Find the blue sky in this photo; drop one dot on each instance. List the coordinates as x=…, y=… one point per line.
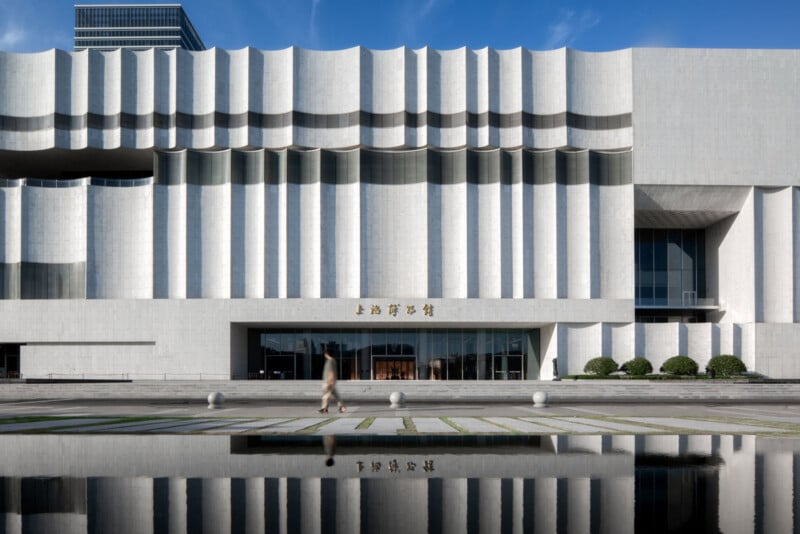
x=32, y=25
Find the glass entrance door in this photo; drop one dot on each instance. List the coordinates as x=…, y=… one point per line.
x=393, y=368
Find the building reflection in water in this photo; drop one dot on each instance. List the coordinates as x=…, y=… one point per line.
x=187, y=484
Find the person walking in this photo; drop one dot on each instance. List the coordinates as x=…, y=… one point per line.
x=329, y=384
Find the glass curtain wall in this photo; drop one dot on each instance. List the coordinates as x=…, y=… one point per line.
x=670, y=267
x=396, y=354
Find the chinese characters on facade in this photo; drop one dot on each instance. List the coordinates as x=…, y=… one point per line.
x=395, y=466
x=394, y=309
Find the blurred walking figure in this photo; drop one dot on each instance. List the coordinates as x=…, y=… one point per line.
x=329, y=444
x=329, y=384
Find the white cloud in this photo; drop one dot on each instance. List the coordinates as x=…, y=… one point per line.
x=11, y=38
x=312, y=22
x=427, y=7
x=569, y=26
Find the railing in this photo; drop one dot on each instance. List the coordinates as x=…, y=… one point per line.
x=133, y=376
x=687, y=301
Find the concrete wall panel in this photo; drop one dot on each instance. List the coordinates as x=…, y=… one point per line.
x=138, y=98
x=196, y=98
x=247, y=224
x=72, y=97
x=544, y=93
x=120, y=241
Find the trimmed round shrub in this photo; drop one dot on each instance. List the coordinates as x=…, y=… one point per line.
x=637, y=367
x=602, y=366
x=680, y=365
x=726, y=365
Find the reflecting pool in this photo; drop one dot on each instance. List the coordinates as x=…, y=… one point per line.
x=387, y=484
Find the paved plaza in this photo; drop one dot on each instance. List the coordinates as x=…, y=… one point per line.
x=301, y=418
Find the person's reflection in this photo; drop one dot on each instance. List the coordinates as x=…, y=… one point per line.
x=329, y=444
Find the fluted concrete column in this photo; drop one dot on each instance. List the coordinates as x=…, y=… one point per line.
x=478, y=87
x=483, y=173
x=505, y=98
x=54, y=225
x=573, y=171
x=254, y=505
x=247, y=224
x=617, y=505
x=454, y=505
x=283, y=505
x=348, y=505
x=303, y=218
x=578, y=503
x=445, y=168
x=612, y=172
x=105, y=97
x=395, y=506
x=208, y=224
x=340, y=224
x=215, y=503
x=416, y=94
x=540, y=177
x=169, y=225
x=491, y=504
x=275, y=224
x=545, y=510
x=10, y=238
x=120, y=239
x=311, y=505
x=518, y=506
x=513, y=225
x=544, y=92
x=177, y=506
x=123, y=505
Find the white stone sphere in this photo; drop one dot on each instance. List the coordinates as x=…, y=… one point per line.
x=540, y=399
x=397, y=399
x=216, y=399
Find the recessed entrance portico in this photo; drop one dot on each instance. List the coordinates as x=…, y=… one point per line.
x=395, y=354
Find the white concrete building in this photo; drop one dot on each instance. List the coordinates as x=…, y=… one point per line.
x=425, y=214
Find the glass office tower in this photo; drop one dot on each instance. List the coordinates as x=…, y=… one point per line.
x=105, y=27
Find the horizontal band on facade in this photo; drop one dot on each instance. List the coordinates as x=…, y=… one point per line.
x=32, y=280
x=55, y=183
x=567, y=167
x=116, y=182
x=300, y=119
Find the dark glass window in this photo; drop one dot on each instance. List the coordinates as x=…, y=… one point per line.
x=670, y=267
x=394, y=354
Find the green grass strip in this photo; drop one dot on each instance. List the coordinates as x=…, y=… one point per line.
x=366, y=423
x=452, y=424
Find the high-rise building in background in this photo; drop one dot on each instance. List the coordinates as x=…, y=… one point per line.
x=139, y=26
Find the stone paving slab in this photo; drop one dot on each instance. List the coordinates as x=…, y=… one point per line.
x=567, y=424
x=432, y=425
x=207, y=425
x=521, y=425
x=146, y=426
x=613, y=426
x=386, y=425
x=703, y=426
x=42, y=425
x=248, y=427
x=478, y=426
x=340, y=425
x=293, y=425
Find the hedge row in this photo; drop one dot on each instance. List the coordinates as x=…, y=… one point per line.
x=722, y=365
